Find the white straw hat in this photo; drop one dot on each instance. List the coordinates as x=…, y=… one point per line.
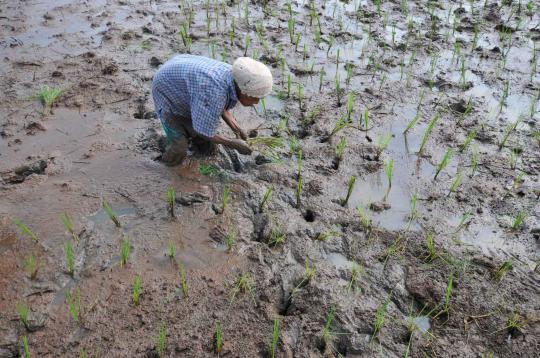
x=252, y=77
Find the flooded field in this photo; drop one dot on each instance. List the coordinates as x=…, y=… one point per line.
x=399, y=217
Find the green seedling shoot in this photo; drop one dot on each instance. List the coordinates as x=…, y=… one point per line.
x=125, y=251
x=341, y=124
x=225, y=199
x=218, y=338
x=509, y=129
x=350, y=188
x=470, y=137
x=137, y=289
x=172, y=251
x=266, y=197
x=444, y=162
x=161, y=346
x=456, y=182
x=365, y=219
x=68, y=224
x=340, y=149
x=74, y=304
x=503, y=270
x=519, y=220
x=31, y=265
x=356, y=271
x=243, y=284
x=275, y=338
x=428, y=132
x=26, y=347
x=328, y=331
x=389, y=174
x=112, y=215
x=171, y=199
x=23, y=311
x=230, y=240
x=25, y=229
x=70, y=258
x=183, y=279
x=328, y=234
x=431, y=251
x=380, y=316
x=48, y=96
x=299, y=188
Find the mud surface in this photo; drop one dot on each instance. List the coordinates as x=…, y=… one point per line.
x=302, y=259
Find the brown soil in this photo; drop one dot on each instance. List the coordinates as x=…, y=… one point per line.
x=101, y=142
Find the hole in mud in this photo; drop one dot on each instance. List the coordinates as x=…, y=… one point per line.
x=335, y=164
x=309, y=216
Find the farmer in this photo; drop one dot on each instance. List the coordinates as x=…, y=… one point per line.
x=191, y=93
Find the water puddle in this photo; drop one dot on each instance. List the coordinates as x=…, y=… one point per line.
x=422, y=323
x=339, y=261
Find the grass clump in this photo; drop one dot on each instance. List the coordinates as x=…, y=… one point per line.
x=111, y=214
x=137, y=289
x=48, y=96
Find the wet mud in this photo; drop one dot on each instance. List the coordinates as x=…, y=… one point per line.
x=412, y=266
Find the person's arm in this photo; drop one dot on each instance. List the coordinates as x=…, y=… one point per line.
x=241, y=146
x=233, y=124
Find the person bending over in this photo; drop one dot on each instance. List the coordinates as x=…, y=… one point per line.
x=191, y=93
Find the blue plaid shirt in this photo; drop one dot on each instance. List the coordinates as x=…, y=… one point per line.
x=194, y=87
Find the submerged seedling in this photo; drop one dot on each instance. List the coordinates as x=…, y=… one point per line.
x=171, y=198
x=350, y=188
x=111, y=214
x=68, y=224
x=137, y=289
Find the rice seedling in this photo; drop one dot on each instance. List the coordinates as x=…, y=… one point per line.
x=328, y=331
x=247, y=42
x=322, y=73
x=515, y=323
x=444, y=162
x=225, y=198
x=70, y=258
x=389, y=169
x=356, y=272
x=514, y=157
x=309, y=273
x=413, y=122
x=414, y=211
x=504, y=96
x=350, y=106
x=428, y=132
x=23, y=311
x=48, y=96
x=209, y=170
x=25, y=230
x=470, y=137
x=172, y=251
x=31, y=265
x=328, y=234
x=183, y=279
x=218, y=336
x=243, y=284
x=300, y=94
x=266, y=197
x=125, y=251
x=338, y=89
x=509, y=129
x=74, y=304
x=445, y=306
x=380, y=316
x=519, y=220
x=431, y=250
x=230, y=240
x=289, y=85
x=137, y=289
x=503, y=270
x=474, y=160
x=161, y=346
x=382, y=143
x=275, y=338
x=456, y=182
x=349, y=69
x=299, y=162
x=186, y=38
x=26, y=347
x=350, y=188
x=299, y=188
x=171, y=198
x=68, y=224
x=340, y=151
x=268, y=142
x=365, y=219
x=518, y=180
x=341, y=124
x=111, y=214
x=290, y=27
x=277, y=237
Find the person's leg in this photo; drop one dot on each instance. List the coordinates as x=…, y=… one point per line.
x=200, y=144
x=177, y=139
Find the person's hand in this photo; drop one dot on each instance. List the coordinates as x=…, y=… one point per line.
x=240, y=133
x=241, y=146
